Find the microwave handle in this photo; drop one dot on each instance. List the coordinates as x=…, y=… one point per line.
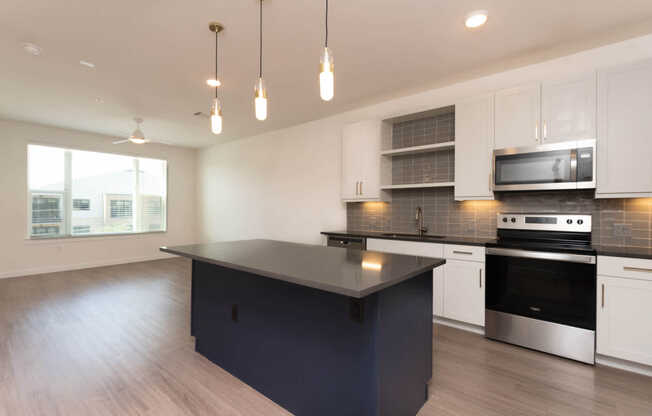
x=573, y=165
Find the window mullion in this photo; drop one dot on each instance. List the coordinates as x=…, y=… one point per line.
x=67, y=192
x=136, y=204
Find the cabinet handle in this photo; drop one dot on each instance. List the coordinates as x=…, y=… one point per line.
x=462, y=252
x=603, y=296
x=545, y=130
x=480, y=278
x=357, y=187
x=360, y=187
x=536, y=132
x=637, y=269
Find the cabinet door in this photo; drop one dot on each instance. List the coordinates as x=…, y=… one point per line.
x=370, y=160
x=568, y=109
x=624, y=135
x=351, y=170
x=361, y=144
x=438, y=291
x=474, y=142
x=517, y=116
x=464, y=291
x=623, y=319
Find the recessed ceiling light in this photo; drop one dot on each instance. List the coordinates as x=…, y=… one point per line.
x=87, y=64
x=213, y=82
x=32, y=49
x=476, y=18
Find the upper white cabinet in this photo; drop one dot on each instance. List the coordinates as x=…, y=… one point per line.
x=361, y=143
x=568, y=109
x=548, y=112
x=624, y=136
x=474, y=141
x=517, y=116
x=624, y=308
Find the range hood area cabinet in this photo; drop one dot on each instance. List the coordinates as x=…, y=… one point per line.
x=361, y=165
x=546, y=112
x=624, y=148
x=474, y=142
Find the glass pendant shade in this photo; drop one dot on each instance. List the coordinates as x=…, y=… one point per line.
x=326, y=76
x=260, y=100
x=216, y=117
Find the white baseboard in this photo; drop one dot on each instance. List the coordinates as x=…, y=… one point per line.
x=459, y=325
x=643, y=369
x=78, y=266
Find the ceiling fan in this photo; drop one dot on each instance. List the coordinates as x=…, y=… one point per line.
x=137, y=136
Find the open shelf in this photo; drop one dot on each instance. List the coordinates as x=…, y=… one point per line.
x=419, y=149
x=420, y=185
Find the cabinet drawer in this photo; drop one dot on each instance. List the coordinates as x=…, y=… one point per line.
x=411, y=248
x=625, y=267
x=469, y=253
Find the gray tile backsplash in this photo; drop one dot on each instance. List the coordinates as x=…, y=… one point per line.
x=619, y=222
x=424, y=167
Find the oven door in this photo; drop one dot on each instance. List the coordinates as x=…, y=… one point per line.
x=553, y=287
x=550, y=166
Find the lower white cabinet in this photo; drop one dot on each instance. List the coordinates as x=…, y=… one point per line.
x=458, y=286
x=624, y=309
x=463, y=292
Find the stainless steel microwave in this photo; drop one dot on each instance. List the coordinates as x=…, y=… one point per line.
x=566, y=165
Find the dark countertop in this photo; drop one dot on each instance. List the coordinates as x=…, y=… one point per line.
x=427, y=238
x=343, y=271
x=615, y=251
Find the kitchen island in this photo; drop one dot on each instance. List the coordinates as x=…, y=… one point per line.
x=318, y=330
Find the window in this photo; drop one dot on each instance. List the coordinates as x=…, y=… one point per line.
x=120, y=208
x=81, y=204
x=75, y=192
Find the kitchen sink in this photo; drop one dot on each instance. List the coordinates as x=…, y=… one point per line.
x=424, y=236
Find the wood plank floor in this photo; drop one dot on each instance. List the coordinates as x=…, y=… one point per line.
x=114, y=341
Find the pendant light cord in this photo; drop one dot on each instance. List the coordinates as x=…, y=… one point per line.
x=260, y=31
x=326, y=24
x=216, y=49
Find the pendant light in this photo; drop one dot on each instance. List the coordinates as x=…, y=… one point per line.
x=326, y=67
x=260, y=93
x=216, y=106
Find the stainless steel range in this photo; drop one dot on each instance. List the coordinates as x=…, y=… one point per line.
x=541, y=284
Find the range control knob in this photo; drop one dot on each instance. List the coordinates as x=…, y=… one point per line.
x=580, y=222
x=569, y=221
x=504, y=219
x=513, y=219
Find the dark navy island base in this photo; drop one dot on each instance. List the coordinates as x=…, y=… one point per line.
x=313, y=351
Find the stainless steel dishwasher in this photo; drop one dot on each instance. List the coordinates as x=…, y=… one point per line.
x=347, y=242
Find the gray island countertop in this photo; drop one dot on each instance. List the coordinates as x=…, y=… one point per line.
x=346, y=272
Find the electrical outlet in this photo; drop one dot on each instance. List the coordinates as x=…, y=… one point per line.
x=469, y=227
x=622, y=230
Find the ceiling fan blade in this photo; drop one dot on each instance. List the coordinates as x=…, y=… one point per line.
x=121, y=141
x=160, y=142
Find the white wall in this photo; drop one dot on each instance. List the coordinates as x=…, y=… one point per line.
x=282, y=185
x=21, y=256
x=285, y=184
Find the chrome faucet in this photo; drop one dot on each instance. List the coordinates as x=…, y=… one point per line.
x=419, y=222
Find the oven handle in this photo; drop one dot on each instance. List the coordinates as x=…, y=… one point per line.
x=541, y=255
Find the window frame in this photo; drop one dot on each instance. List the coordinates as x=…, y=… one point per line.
x=67, y=198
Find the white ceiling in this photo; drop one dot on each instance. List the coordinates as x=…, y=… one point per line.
x=153, y=57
